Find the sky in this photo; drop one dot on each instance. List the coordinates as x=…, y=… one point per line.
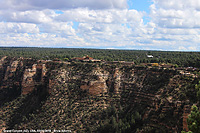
x=167, y=25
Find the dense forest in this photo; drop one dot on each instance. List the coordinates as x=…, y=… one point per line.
x=186, y=59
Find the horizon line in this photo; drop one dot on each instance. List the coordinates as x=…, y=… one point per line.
x=94, y=48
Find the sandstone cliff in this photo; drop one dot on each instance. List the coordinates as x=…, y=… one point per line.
x=75, y=95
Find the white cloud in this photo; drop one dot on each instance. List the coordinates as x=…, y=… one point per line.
x=18, y=28
x=96, y=27
x=61, y=4
x=59, y=28
x=106, y=33
x=178, y=4
x=176, y=14
x=173, y=25
x=40, y=40
x=101, y=16
x=34, y=16
x=177, y=24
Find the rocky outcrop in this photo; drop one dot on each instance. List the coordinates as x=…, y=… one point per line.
x=95, y=87
x=152, y=92
x=11, y=69
x=28, y=84
x=117, y=80
x=98, y=86
x=32, y=77
x=2, y=61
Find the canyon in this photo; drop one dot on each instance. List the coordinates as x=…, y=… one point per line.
x=83, y=96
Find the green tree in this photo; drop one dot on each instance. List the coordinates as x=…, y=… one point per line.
x=197, y=87
x=194, y=120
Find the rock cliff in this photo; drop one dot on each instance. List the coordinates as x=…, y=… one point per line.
x=71, y=94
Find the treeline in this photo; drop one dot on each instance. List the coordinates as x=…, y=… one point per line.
x=138, y=56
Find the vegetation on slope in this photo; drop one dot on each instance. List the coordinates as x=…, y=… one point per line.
x=147, y=99
x=138, y=99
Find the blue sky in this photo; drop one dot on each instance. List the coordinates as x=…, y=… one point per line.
x=122, y=24
x=139, y=5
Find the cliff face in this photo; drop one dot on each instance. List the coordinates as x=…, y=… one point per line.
x=95, y=86
x=75, y=95
x=33, y=76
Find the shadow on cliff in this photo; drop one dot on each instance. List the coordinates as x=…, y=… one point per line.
x=30, y=105
x=11, y=87
x=9, y=94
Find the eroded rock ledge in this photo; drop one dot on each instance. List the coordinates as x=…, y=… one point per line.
x=155, y=93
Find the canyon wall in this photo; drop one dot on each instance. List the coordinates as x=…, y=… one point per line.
x=151, y=91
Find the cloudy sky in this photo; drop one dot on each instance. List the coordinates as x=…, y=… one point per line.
x=119, y=24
